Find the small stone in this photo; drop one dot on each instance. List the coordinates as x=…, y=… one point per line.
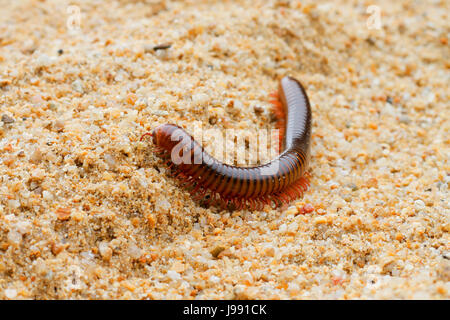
x=13, y=204
x=419, y=205
x=37, y=174
x=58, y=125
x=160, y=112
x=40, y=267
x=258, y=110
x=292, y=210
x=352, y=186
x=134, y=251
x=178, y=267
x=270, y=251
x=347, y=197
x=388, y=264
x=77, y=215
x=7, y=119
x=63, y=213
x=110, y=160
x=57, y=248
x=77, y=85
x=200, y=98
x=163, y=206
x=404, y=119
x=52, y=106
x=131, y=98
x=14, y=237
x=47, y=195
x=36, y=156
x=217, y=250
x=151, y=220
x=23, y=227
x=320, y=220
x=37, y=190
x=283, y=228
x=4, y=82
x=372, y=183
x=11, y=293
x=308, y=208
x=399, y=236
x=105, y=250
x=96, y=114
x=43, y=61
x=148, y=48
x=173, y=275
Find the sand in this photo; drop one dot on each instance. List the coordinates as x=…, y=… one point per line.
x=87, y=211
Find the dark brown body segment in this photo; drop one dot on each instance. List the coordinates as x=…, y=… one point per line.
x=279, y=181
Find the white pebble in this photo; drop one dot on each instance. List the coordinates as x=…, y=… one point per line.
x=43, y=60
x=105, y=250
x=200, y=98
x=110, y=160
x=40, y=267
x=162, y=206
x=173, y=275
x=419, y=204
x=404, y=119
x=14, y=237
x=13, y=204
x=11, y=293
x=77, y=85
x=160, y=112
x=23, y=227
x=283, y=228
x=238, y=104
x=47, y=195
x=96, y=113
x=134, y=251
x=132, y=115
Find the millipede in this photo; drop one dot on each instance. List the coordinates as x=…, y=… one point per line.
x=278, y=182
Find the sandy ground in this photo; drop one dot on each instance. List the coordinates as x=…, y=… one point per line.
x=89, y=212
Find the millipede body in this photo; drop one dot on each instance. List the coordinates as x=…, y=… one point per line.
x=282, y=180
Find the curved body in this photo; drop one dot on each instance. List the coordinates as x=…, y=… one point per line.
x=279, y=181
